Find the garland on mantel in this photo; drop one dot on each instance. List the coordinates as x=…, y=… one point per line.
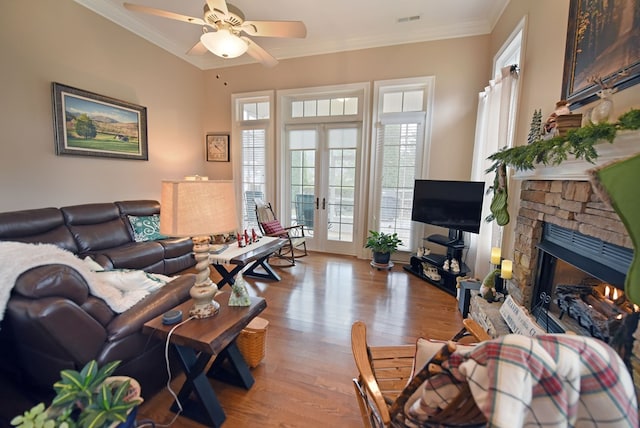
x=578, y=142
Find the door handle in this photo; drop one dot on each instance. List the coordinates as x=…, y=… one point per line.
x=324, y=205
x=317, y=203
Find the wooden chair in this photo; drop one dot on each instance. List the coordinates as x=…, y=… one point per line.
x=384, y=372
x=270, y=226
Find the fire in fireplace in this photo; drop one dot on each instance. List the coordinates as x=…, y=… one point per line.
x=579, y=286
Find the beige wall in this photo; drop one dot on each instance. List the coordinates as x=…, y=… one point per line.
x=42, y=41
x=541, y=72
x=460, y=67
x=64, y=42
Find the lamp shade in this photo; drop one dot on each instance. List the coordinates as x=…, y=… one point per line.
x=197, y=208
x=223, y=43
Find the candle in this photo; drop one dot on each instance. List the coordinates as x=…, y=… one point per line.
x=495, y=256
x=606, y=292
x=506, y=269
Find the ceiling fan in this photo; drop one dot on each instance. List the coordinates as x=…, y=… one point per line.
x=222, y=26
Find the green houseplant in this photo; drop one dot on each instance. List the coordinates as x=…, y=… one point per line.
x=382, y=245
x=91, y=398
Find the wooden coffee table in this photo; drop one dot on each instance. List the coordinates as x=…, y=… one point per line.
x=231, y=261
x=199, y=340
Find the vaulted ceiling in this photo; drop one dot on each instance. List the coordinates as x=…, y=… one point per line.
x=332, y=25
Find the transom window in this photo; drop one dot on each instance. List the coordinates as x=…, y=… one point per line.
x=255, y=110
x=324, y=107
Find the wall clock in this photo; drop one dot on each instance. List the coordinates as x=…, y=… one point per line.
x=217, y=147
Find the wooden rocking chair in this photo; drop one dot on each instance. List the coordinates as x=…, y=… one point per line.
x=296, y=245
x=385, y=371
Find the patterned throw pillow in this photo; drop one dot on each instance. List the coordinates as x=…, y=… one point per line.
x=426, y=349
x=435, y=393
x=146, y=228
x=273, y=227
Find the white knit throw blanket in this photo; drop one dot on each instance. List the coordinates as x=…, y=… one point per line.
x=17, y=257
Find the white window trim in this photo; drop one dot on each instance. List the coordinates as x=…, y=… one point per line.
x=515, y=41
x=426, y=83
x=238, y=124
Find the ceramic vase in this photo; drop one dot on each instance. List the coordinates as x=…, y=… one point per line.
x=602, y=111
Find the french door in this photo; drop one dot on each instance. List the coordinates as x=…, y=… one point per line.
x=321, y=176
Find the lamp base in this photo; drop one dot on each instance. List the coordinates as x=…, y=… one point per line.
x=204, y=289
x=204, y=306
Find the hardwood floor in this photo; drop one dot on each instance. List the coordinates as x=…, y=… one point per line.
x=305, y=378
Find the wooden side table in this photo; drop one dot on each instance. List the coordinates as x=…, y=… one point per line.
x=196, y=342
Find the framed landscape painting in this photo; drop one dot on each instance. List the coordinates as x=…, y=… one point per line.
x=603, y=42
x=88, y=124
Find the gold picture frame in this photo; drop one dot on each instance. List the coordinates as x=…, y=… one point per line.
x=217, y=147
x=601, y=42
x=90, y=124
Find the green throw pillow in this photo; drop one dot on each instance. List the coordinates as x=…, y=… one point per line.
x=145, y=228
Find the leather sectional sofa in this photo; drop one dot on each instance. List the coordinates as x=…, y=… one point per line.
x=51, y=321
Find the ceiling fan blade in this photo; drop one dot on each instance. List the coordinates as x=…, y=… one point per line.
x=275, y=28
x=256, y=52
x=218, y=5
x=198, y=49
x=164, y=14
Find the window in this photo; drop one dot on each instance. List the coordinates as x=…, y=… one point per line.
x=254, y=130
x=400, y=134
x=495, y=129
x=324, y=107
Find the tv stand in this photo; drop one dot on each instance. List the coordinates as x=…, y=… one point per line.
x=455, y=245
x=448, y=279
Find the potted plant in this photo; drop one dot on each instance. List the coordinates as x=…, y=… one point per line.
x=89, y=398
x=382, y=245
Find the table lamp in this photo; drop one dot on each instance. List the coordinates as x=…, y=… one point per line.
x=199, y=209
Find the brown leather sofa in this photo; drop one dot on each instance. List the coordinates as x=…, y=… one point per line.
x=51, y=321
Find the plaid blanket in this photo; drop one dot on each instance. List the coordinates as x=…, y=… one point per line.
x=548, y=381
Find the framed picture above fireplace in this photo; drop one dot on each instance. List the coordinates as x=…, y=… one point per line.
x=603, y=41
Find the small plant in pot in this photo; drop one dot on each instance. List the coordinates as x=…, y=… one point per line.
x=89, y=398
x=382, y=245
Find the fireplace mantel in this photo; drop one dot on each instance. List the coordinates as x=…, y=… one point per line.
x=626, y=143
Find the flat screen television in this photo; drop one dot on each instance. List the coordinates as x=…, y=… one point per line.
x=456, y=205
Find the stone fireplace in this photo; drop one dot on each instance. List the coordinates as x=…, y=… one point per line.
x=590, y=247
x=571, y=205
x=579, y=284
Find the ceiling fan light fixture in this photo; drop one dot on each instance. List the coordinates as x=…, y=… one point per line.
x=224, y=43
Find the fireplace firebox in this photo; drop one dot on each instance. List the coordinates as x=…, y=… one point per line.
x=579, y=285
